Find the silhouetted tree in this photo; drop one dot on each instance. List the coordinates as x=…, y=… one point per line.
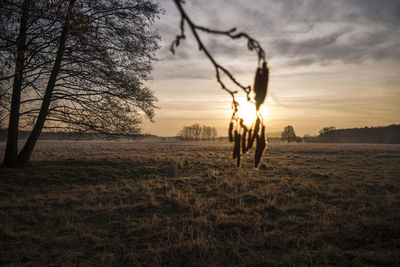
x=195, y=132
x=189, y=132
x=208, y=133
x=326, y=130
x=75, y=65
x=389, y=134
x=196, y=129
x=214, y=133
x=289, y=134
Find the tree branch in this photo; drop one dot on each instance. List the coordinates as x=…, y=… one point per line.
x=242, y=136
x=252, y=44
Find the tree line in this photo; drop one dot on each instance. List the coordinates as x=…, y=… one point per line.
x=197, y=132
x=388, y=135
x=385, y=135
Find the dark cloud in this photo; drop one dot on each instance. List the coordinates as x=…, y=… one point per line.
x=363, y=104
x=309, y=46
x=303, y=32
x=380, y=45
x=223, y=46
x=387, y=11
x=302, y=61
x=365, y=30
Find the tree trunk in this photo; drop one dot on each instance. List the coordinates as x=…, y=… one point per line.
x=10, y=157
x=27, y=150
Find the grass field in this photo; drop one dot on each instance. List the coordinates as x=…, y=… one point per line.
x=141, y=204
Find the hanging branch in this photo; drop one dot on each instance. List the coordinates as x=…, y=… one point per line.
x=252, y=44
x=260, y=85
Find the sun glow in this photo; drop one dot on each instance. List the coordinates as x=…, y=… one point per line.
x=247, y=111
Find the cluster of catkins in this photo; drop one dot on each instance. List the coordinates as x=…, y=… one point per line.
x=243, y=137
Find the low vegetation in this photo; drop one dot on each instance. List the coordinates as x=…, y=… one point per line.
x=140, y=204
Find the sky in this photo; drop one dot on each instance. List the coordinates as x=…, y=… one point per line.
x=332, y=63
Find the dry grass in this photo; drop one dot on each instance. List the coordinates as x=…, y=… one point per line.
x=140, y=204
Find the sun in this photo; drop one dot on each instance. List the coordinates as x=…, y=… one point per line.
x=247, y=111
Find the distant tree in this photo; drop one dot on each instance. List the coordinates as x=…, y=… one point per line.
x=76, y=65
x=326, y=130
x=186, y=133
x=206, y=132
x=183, y=133
x=389, y=134
x=209, y=133
x=195, y=132
x=289, y=134
x=214, y=133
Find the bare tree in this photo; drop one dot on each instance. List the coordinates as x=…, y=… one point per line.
x=184, y=133
x=192, y=132
x=214, y=133
x=76, y=65
x=197, y=132
x=208, y=133
x=289, y=134
x=196, y=129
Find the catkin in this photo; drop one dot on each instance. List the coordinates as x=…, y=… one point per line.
x=236, y=146
x=237, y=149
x=244, y=140
x=261, y=84
x=230, y=132
x=256, y=128
x=254, y=134
x=263, y=134
x=250, y=140
x=260, y=147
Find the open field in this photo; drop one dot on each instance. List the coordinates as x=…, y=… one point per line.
x=140, y=204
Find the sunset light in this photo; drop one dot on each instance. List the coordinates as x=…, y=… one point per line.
x=247, y=111
x=199, y=133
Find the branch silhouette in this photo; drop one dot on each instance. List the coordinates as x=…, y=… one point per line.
x=238, y=132
x=252, y=44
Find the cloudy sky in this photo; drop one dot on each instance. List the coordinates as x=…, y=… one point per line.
x=332, y=63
